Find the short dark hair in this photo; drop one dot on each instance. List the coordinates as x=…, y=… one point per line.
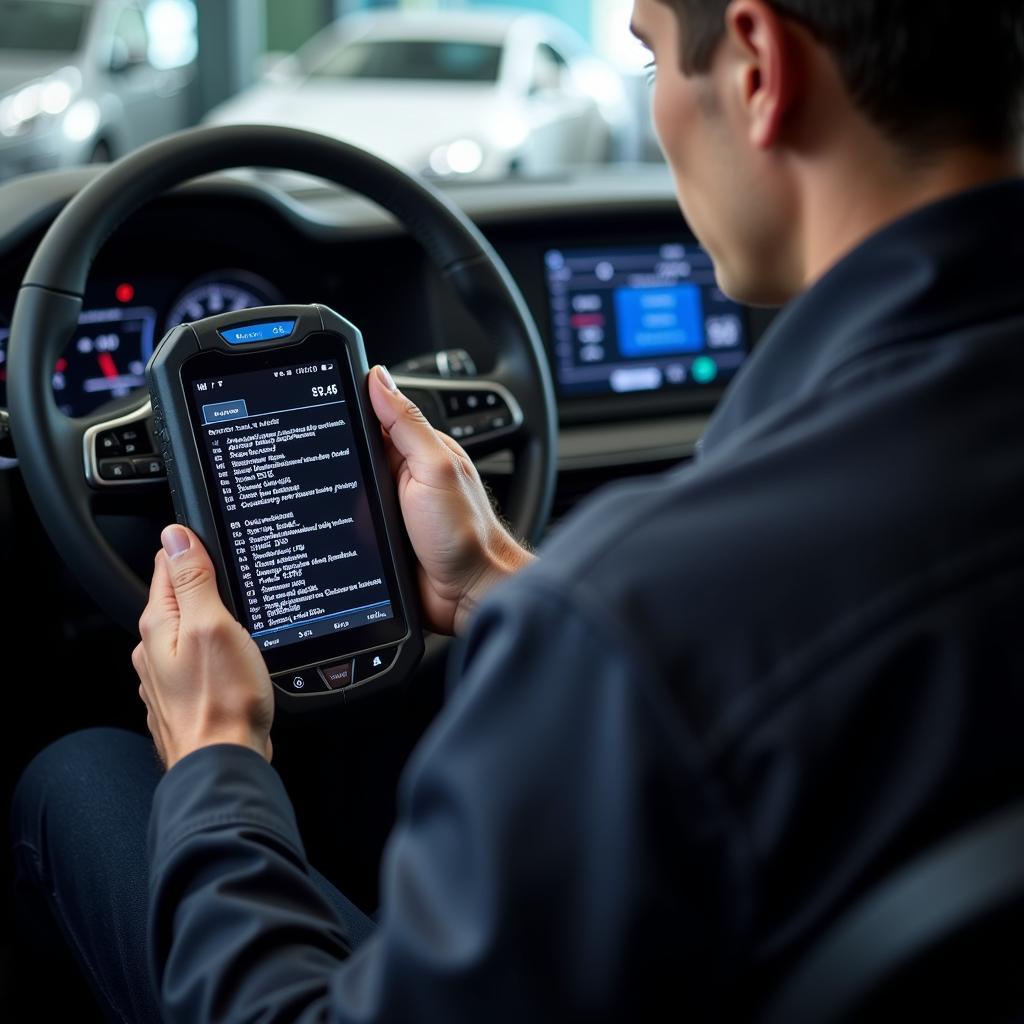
x=928, y=73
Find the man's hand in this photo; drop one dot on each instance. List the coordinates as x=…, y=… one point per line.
x=462, y=548
x=203, y=678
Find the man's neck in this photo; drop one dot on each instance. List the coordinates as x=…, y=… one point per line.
x=846, y=204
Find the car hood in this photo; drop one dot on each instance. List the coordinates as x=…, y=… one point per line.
x=17, y=68
x=401, y=121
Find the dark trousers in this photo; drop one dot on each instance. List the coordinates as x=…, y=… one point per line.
x=79, y=821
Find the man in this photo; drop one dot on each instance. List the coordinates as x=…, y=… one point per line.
x=722, y=702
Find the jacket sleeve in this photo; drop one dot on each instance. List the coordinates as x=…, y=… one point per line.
x=559, y=851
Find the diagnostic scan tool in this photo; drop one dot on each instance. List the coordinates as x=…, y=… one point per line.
x=276, y=460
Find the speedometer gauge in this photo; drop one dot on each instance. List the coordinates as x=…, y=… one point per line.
x=224, y=291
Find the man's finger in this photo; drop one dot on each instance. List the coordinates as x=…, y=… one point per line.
x=191, y=574
x=413, y=437
x=161, y=616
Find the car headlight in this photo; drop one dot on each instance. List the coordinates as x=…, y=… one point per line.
x=24, y=108
x=456, y=159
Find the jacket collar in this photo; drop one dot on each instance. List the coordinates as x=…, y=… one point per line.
x=949, y=264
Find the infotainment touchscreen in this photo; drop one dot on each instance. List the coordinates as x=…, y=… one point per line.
x=641, y=318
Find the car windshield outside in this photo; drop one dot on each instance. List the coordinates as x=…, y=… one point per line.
x=438, y=60
x=454, y=90
x=41, y=25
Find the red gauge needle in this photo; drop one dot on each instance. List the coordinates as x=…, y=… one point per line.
x=106, y=361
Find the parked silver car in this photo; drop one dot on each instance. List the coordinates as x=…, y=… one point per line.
x=452, y=93
x=84, y=80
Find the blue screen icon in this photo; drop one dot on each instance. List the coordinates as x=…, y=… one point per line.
x=659, y=321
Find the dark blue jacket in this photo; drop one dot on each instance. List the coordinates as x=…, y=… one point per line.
x=722, y=703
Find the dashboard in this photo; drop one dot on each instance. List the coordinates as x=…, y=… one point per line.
x=122, y=319
x=640, y=340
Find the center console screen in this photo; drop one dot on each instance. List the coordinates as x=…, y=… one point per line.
x=641, y=318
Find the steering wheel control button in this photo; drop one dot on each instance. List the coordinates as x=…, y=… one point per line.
x=132, y=439
x=338, y=676
x=116, y=469
x=149, y=465
x=108, y=443
x=374, y=662
x=487, y=421
x=455, y=403
x=476, y=413
x=305, y=681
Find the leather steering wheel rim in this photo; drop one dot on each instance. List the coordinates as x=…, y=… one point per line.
x=50, y=444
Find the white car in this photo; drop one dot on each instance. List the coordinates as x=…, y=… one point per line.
x=453, y=94
x=89, y=80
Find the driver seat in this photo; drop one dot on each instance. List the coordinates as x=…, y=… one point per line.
x=941, y=939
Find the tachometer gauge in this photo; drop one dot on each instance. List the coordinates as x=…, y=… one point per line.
x=221, y=292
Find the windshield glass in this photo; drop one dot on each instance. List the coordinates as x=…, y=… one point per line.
x=41, y=25
x=416, y=59
x=454, y=92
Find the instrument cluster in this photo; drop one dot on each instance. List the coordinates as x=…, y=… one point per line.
x=120, y=324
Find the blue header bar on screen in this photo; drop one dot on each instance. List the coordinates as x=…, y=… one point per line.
x=249, y=333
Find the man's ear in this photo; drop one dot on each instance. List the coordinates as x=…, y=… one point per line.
x=768, y=71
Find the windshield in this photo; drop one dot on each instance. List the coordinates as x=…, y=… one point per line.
x=454, y=94
x=45, y=25
x=416, y=59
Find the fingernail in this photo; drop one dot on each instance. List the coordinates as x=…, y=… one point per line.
x=385, y=378
x=175, y=541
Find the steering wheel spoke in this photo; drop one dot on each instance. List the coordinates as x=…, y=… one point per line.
x=120, y=452
x=482, y=414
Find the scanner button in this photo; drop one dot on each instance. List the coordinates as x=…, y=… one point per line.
x=303, y=681
x=374, y=662
x=338, y=676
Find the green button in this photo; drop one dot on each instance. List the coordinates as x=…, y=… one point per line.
x=704, y=369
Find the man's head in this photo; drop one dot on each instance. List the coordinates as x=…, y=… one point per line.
x=777, y=113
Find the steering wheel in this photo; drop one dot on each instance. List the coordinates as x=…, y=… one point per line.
x=58, y=455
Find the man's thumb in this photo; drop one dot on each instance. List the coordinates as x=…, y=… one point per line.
x=191, y=571
x=407, y=427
